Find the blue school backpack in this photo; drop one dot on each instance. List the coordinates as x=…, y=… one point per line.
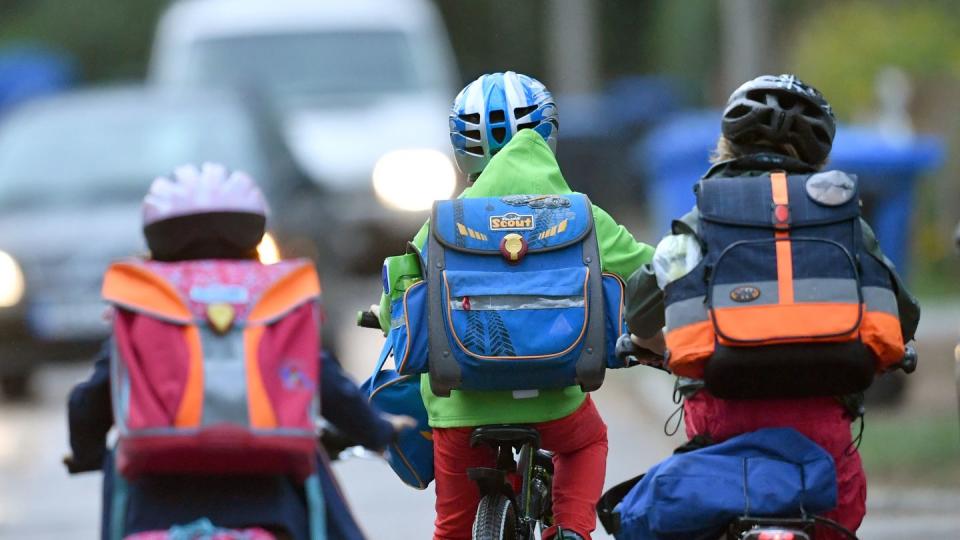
x=515, y=295
x=771, y=472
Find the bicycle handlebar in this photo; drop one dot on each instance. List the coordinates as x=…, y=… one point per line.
x=631, y=353
x=909, y=362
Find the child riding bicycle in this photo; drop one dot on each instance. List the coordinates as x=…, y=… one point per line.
x=789, y=298
x=215, y=219
x=504, y=131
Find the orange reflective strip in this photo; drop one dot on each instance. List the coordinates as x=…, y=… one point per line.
x=778, y=183
x=300, y=285
x=190, y=410
x=690, y=346
x=765, y=325
x=134, y=286
x=258, y=402
x=784, y=267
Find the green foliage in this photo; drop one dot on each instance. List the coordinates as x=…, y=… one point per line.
x=912, y=449
x=110, y=38
x=842, y=46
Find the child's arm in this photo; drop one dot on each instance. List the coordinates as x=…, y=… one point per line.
x=620, y=253
x=676, y=255
x=344, y=405
x=90, y=415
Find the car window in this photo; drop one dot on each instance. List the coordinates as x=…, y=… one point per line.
x=304, y=67
x=63, y=154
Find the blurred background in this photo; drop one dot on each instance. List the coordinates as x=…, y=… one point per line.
x=339, y=109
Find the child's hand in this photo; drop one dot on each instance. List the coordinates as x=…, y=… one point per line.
x=400, y=422
x=654, y=343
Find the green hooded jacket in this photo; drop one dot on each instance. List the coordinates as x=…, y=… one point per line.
x=527, y=166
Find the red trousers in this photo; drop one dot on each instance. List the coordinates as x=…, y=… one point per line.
x=822, y=420
x=580, y=463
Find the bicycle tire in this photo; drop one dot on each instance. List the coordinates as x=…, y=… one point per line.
x=496, y=519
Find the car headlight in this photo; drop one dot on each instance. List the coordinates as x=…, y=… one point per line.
x=412, y=179
x=11, y=281
x=267, y=250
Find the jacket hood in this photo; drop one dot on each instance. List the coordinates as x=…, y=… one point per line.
x=525, y=166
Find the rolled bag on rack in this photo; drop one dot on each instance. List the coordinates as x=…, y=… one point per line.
x=774, y=472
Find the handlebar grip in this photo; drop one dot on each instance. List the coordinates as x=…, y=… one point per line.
x=631, y=354
x=910, y=359
x=368, y=319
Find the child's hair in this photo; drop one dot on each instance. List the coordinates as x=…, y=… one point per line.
x=727, y=150
x=205, y=213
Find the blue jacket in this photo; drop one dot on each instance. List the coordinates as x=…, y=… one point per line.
x=158, y=502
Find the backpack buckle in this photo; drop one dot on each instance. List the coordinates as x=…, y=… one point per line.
x=781, y=216
x=513, y=247
x=221, y=317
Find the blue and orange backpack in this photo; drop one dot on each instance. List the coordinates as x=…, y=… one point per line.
x=787, y=301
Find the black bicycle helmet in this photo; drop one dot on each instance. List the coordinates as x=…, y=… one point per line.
x=781, y=110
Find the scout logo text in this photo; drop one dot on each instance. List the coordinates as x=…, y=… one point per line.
x=511, y=221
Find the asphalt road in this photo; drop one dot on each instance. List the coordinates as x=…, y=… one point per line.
x=38, y=501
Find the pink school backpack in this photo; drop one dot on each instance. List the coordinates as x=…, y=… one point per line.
x=215, y=366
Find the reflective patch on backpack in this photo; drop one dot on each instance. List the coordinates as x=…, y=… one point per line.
x=831, y=188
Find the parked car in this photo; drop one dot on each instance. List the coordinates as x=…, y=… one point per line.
x=73, y=170
x=362, y=89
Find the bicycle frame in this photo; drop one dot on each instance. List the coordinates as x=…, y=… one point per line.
x=533, y=468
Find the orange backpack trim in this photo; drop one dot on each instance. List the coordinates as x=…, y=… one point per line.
x=132, y=286
x=262, y=415
x=190, y=410
x=764, y=325
x=690, y=346
x=299, y=286
x=881, y=333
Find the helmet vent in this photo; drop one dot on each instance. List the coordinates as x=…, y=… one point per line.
x=473, y=134
x=473, y=118
x=821, y=135
x=765, y=116
x=526, y=125
x=757, y=95
x=738, y=111
x=474, y=150
x=520, y=112
x=499, y=134
x=497, y=116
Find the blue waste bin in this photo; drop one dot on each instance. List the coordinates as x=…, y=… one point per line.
x=676, y=155
x=28, y=71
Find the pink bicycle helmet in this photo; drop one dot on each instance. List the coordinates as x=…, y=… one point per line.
x=205, y=213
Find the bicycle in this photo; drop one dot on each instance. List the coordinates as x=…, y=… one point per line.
x=744, y=527
x=503, y=513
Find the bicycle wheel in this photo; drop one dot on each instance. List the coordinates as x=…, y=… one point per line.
x=496, y=519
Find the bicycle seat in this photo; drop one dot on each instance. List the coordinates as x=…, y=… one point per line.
x=495, y=436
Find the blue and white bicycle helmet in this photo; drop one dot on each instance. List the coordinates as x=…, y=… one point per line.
x=490, y=110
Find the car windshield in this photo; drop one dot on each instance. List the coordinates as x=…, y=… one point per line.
x=112, y=148
x=298, y=69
